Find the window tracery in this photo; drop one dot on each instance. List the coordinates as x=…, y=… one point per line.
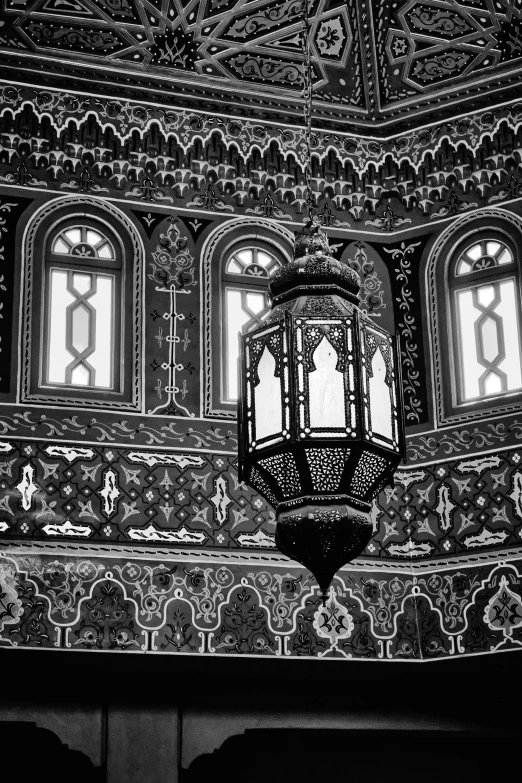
x=484, y=280
x=83, y=241
x=81, y=309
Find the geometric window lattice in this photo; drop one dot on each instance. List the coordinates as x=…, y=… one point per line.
x=258, y=482
x=369, y=468
x=245, y=304
x=251, y=261
x=80, y=316
x=489, y=336
x=326, y=467
x=84, y=242
x=283, y=468
x=483, y=255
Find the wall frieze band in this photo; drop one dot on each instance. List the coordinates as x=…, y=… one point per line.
x=158, y=606
x=125, y=117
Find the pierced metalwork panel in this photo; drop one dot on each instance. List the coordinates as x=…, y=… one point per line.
x=326, y=467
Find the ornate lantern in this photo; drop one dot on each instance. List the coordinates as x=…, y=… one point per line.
x=320, y=409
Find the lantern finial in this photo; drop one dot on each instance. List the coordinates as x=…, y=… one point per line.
x=323, y=538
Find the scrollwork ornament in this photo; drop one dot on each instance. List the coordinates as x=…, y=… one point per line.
x=408, y=327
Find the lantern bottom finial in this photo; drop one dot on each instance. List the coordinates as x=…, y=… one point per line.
x=323, y=538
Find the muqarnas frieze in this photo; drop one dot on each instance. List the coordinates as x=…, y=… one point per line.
x=139, y=604
x=109, y=494
x=178, y=158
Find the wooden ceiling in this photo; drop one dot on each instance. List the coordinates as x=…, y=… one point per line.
x=380, y=66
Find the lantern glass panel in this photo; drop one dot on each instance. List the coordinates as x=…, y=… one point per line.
x=326, y=389
x=267, y=382
x=267, y=395
x=379, y=382
x=325, y=377
x=380, y=398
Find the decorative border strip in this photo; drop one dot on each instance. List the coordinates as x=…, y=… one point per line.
x=22, y=422
x=219, y=436
x=157, y=606
x=253, y=558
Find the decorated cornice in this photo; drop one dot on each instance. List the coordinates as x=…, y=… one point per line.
x=126, y=117
x=180, y=158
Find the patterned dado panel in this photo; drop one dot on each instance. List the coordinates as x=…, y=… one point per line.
x=108, y=494
x=185, y=160
x=373, y=61
x=192, y=605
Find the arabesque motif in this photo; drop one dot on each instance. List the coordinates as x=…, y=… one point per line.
x=115, y=603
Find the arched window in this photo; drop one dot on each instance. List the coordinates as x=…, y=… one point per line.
x=475, y=294
x=245, y=283
x=486, y=303
x=82, y=304
x=237, y=261
x=81, y=307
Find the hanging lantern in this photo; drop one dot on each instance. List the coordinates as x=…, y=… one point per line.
x=320, y=409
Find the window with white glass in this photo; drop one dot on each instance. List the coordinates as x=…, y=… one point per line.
x=82, y=284
x=246, y=272
x=485, y=295
x=82, y=307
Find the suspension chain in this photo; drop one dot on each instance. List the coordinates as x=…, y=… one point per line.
x=307, y=112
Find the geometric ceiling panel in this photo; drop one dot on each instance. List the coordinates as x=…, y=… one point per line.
x=225, y=39
x=377, y=64
x=436, y=42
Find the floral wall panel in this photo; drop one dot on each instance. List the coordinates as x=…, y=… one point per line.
x=173, y=605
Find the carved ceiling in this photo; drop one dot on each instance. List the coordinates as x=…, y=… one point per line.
x=380, y=65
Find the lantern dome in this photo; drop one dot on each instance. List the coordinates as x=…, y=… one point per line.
x=320, y=410
x=313, y=270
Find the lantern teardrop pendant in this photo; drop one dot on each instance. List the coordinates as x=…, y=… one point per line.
x=320, y=409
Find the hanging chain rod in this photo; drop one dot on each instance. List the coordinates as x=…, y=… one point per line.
x=307, y=111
